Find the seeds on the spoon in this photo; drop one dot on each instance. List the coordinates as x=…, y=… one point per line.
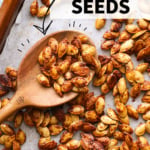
x=43, y=80
x=62, y=48
x=80, y=90
x=89, y=56
x=53, y=43
x=66, y=86
x=64, y=65
x=82, y=38
x=79, y=81
x=79, y=68
x=72, y=50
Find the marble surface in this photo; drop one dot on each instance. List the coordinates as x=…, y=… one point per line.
x=23, y=35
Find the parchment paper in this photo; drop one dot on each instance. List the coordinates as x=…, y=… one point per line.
x=23, y=35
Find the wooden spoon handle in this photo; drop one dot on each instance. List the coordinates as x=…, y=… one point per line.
x=16, y=103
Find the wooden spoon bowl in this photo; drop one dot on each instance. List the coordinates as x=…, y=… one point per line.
x=29, y=91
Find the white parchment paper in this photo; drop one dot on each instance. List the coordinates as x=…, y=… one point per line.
x=23, y=35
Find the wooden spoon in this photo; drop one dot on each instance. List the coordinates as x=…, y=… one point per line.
x=29, y=91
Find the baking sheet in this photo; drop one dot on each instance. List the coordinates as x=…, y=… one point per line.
x=23, y=35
